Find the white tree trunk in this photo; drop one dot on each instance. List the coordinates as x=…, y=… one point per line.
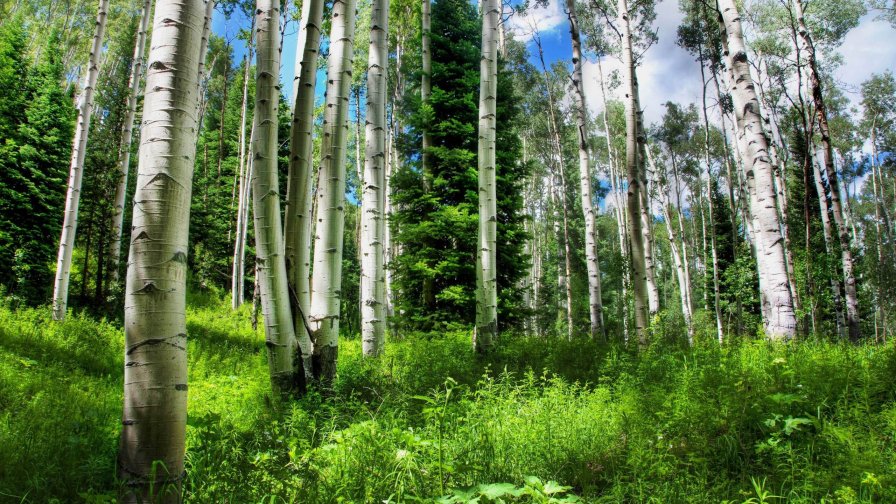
x=829, y=244
x=270, y=262
x=595, y=304
x=372, y=201
x=239, y=267
x=76, y=173
x=635, y=181
x=298, y=219
x=426, y=85
x=486, y=253
x=155, y=373
x=326, y=282
x=770, y=256
x=124, y=149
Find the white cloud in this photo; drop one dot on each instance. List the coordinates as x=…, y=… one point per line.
x=544, y=19
x=866, y=50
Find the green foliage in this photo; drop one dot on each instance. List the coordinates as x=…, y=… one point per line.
x=36, y=129
x=541, y=420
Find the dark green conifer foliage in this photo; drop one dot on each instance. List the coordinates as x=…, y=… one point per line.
x=36, y=128
x=436, y=230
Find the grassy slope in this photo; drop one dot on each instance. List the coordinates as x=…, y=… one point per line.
x=808, y=422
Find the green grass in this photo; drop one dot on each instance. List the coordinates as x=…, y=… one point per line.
x=751, y=422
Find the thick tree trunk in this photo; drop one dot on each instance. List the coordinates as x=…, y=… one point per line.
x=76, y=174
x=635, y=181
x=124, y=149
x=151, y=456
x=595, y=304
x=326, y=282
x=486, y=271
x=298, y=216
x=770, y=257
x=270, y=262
x=372, y=202
x=821, y=114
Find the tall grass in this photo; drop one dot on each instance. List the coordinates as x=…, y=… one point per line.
x=808, y=422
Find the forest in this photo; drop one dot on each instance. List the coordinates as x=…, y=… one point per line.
x=443, y=251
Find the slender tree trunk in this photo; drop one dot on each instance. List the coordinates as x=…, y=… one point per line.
x=653, y=296
x=426, y=86
x=124, y=150
x=151, y=456
x=829, y=244
x=79, y=150
x=635, y=185
x=773, y=278
x=327, y=273
x=269, y=259
x=239, y=267
x=595, y=303
x=821, y=114
x=486, y=271
x=373, y=205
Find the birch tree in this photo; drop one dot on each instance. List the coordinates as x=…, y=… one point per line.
x=774, y=284
x=151, y=456
x=326, y=281
x=486, y=252
x=239, y=247
x=373, y=203
x=124, y=150
x=76, y=168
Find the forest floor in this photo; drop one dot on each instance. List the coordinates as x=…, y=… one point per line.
x=540, y=420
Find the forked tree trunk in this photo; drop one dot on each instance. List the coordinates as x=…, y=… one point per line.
x=821, y=114
x=635, y=186
x=76, y=168
x=124, y=149
x=770, y=257
x=239, y=267
x=486, y=250
x=323, y=317
x=270, y=263
x=595, y=304
x=372, y=201
x=151, y=456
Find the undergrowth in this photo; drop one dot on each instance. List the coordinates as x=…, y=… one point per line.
x=540, y=420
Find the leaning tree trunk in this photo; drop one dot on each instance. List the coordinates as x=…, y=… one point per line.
x=298, y=219
x=151, y=456
x=79, y=150
x=635, y=186
x=271, y=264
x=327, y=276
x=770, y=256
x=124, y=149
x=372, y=202
x=821, y=114
x=486, y=251
x=594, y=295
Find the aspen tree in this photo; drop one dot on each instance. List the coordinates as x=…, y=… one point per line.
x=774, y=283
x=239, y=248
x=298, y=219
x=372, y=202
x=124, y=149
x=486, y=251
x=151, y=456
x=76, y=168
x=323, y=317
x=594, y=292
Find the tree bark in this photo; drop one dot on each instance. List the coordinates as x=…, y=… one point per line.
x=124, y=149
x=770, y=257
x=595, y=304
x=372, y=202
x=239, y=267
x=821, y=115
x=76, y=173
x=155, y=372
x=635, y=185
x=326, y=281
x=486, y=256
